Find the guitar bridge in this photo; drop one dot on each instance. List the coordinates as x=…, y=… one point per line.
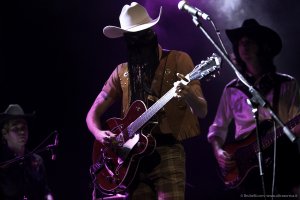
x=96, y=167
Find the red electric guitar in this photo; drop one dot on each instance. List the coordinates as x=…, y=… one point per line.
x=115, y=166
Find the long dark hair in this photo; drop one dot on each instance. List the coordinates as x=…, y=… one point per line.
x=264, y=54
x=143, y=60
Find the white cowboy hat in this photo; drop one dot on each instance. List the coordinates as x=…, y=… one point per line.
x=133, y=18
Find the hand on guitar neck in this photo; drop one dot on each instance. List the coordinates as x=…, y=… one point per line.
x=190, y=95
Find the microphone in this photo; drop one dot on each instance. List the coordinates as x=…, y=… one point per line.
x=182, y=5
x=53, y=147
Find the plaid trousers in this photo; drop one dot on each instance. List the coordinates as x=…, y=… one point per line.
x=161, y=175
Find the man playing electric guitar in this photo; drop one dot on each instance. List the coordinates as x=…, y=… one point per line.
x=255, y=47
x=149, y=73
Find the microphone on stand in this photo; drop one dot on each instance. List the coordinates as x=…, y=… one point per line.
x=182, y=5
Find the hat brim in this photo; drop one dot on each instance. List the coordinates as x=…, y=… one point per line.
x=261, y=32
x=116, y=32
x=5, y=117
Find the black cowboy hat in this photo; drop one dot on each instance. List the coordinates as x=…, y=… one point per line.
x=14, y=111
x=252, y=28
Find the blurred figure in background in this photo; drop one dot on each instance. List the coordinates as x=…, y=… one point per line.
x=25, y=178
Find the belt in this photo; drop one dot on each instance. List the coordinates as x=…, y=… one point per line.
x=165, y=139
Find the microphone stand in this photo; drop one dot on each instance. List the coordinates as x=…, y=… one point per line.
x=254, y=110
x=256, y=100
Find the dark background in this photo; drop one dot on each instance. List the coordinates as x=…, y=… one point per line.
x=54, y=60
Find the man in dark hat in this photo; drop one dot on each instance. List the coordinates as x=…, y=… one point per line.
x=19, y=178
x=255, y=47
x=149, y=73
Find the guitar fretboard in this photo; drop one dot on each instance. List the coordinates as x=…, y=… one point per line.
x=268, y=139
x=200, y=71
x=146, y=116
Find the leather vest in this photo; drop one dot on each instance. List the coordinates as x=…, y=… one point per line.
x=183, y=123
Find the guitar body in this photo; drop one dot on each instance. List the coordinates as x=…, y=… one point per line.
x=245, y=162
x=112, y=172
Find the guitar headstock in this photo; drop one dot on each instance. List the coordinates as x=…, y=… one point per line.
x=208, y=67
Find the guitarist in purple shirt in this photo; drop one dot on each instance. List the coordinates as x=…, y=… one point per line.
x=255, y=47
x=149, y=73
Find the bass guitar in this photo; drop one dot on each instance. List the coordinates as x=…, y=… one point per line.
x=245, y=153
x=115, y=165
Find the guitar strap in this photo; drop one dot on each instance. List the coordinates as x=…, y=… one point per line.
x=161, y=69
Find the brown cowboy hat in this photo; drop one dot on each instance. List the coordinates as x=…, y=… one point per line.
x=133, y=18
x=251, y=27
x=14, y=111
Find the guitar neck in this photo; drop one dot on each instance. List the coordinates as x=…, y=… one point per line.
x=200, y=71
x=146, y=116
x=268, y=139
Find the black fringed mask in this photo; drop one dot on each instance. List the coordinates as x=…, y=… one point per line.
x=143, y=60
x=141, y=39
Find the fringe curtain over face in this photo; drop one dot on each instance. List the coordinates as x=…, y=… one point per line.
x=142, y=62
